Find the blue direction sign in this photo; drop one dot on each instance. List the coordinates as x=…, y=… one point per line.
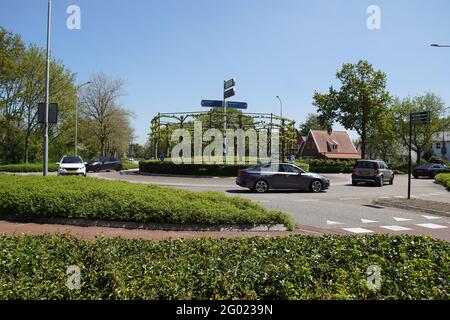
x=219, y=104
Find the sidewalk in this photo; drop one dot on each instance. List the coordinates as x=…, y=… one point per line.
x=428, y=206
x=90, y=233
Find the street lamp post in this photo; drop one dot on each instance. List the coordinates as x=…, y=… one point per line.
x=76, y=117
x=47, y=91
x=443, y=147
x=282, y=128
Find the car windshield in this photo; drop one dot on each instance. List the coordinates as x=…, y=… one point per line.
x=365, y=165
x=71, y=160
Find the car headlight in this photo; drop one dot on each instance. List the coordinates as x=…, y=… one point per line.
x=62, y=169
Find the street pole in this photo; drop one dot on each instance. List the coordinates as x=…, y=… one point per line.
x=224, y=123
x=47, y=91
x=409, y=157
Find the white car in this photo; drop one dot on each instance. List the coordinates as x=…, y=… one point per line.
x=71, y=166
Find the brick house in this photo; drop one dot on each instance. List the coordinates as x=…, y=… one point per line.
x=321, y=144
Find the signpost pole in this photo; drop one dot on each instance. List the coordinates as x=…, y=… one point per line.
x=47, y=80
x=225, y=120
x=409, y=157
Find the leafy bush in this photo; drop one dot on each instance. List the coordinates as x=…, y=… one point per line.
x=30, y=167
x=300, y=267
x=129, y=165
x=444, y=179
x=90, y=198
x=329, y=166
x=168, y=167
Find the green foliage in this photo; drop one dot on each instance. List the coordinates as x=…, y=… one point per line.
x=27, y=167
x=312, y=122
x=444, y=179
x=300, y=267
x=329, y=166
x=360, y=102
x=168, y=167
x=129, y=165
x=90, y=198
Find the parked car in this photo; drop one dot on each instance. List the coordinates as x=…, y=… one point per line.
x=429, y=170
x=104, y=163
x=264, y=177
x=73, y=165
x=372, y=171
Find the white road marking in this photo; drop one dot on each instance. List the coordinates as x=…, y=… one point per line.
x=431, y=226
x=263, y=201
x=431, y=217
x=399, y=197
x=395, y=228
x=357, y=230
x=347, y=199
x=384, y=197
x=368, y=221
x=329, y=222
x=307, y=200
x=401, y=219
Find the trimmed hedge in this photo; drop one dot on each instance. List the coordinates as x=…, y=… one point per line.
x=329, y=166
x=444, y=179
x=300, y=267
x=129, y=165
x=90, y=198
x=30, y=167
x=168, y=167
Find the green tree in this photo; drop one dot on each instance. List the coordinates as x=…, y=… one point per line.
x=422, y=135
x=313, y=121
x=359, y=102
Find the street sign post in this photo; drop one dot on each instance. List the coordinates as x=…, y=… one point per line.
x=228, y=92
x=418, y=118
x=52, y=113
x=219, y=104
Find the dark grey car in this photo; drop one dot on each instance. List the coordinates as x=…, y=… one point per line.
x=263, y=177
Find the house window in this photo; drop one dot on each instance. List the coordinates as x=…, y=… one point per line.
x=334, y=147
x=438, y=145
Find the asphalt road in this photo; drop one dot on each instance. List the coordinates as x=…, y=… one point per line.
x=344, y=208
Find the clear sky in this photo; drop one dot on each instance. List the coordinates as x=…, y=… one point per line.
x=174, y=53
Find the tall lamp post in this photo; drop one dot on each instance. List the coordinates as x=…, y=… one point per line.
x=47, y=92
x=443, y=147
x=282, y=128
x=76, y=117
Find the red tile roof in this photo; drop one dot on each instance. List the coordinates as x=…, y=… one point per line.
x=325, y=140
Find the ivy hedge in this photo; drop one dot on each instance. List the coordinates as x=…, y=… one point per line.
x=444, y=179
x=91, y=198
x=27, y=167
x=298, y=267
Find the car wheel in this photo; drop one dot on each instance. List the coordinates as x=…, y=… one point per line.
x=355, y=183
x=380, y=182
x=261, y=186
x=391, y=182
x=316, y=186
x=416, y=177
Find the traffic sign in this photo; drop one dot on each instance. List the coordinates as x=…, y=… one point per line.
x=52, y=113
x=219, y=104
x=229, y=93
x=421, y=118
x=229, y=84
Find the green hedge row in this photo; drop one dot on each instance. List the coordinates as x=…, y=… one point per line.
x=90, y=198
x=168, y=167
x=300, y=267
x=129, y=165
x=444, y=179
x=30, y=167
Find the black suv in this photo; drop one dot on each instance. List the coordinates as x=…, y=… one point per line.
x=104, y=163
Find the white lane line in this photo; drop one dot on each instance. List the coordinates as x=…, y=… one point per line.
x=347, y=199
x=384, y=197
x=329, y=222
x=399, y=197
x=357, y=230
x=307, y=200
x=396, y=228
x=368, y=221
x=401, y=219
x=431, y=226
x=263, y=201
x=431, y=217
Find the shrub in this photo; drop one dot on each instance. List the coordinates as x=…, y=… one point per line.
x=168, y=167
x=444, y=179
x=129, y=165
x=90, y=198
x=30, y=167
x=329, y=166
x=300, y=267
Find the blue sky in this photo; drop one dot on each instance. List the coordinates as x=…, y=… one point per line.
x=174, y=53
